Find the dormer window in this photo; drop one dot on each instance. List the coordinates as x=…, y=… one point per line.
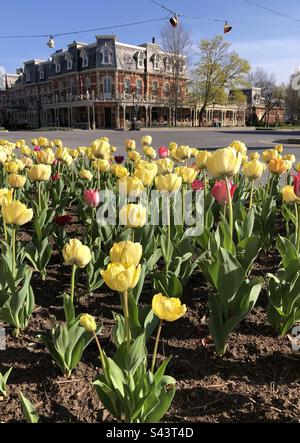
x=42, y=73
x=57, y=65
x=85, y=58
x=27, y=76
x=106, y=56
x=69, y=62
x=156, y=62
x=167, y=64
x=140, y=60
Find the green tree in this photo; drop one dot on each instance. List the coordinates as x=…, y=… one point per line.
x=217, y=69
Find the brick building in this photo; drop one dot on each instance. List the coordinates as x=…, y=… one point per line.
x=106, y=84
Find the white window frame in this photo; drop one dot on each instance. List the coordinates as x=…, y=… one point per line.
x=140, y=60
x=106, y=56
x=85, y=58
x=27, y=76
x=57, y=65
x=139, y=91
x=69, y=62
x=167, y=89
x=127, y=81
x=156, y=62
x=154, y=89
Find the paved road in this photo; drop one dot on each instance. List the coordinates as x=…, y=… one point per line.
x=207, y=138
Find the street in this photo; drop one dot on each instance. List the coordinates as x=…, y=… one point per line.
x=206, y=138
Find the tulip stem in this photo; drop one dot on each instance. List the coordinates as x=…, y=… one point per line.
x=230, y=210
x=98, y=179
x=39, y=196
x=251, y=194
x=13, y=248
x=73, y=283
x=126, y=317
x=298, y=228
x=101, y=353
x=156, y=346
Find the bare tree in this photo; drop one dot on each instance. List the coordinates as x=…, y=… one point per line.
x=292, y=98
x=260, y=78
x=176, y=42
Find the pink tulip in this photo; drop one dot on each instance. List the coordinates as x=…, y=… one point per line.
x=36, y=148
x=297, y=184
x=91, y=197
x=197, y=185
x=219, y=191
x=163, y=152
x=55, y=177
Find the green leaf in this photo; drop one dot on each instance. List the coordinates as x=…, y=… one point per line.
x=28, y=409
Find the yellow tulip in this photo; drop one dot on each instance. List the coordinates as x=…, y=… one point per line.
x=126, y=252
x=3, y=157
x=149, y=152
x=42, y=141
x=84, y=174
x=120, y=278
x=39, y=172
x=169, y=309
x=25, y=150
x=134, y=156
x=16, y=213
x=131, y=186
x=146, y=140
x=253, y=170
x=16, y=180
x=290, y=157
x=133, y=215
x=120, y=171
x=201, y=159
x=12, y=167
x=254, y=156
x=289, y=195
x=172, y=145
x=75, y=253
x=224, y=162
x=269, y=155
x=146, y=172
x=130, y=145
x=6, y=196
x=101, y=149
x=239, y=147
x=183, y=152
x=34, y=141
x=194, y=152
x=101, y=165
x=279, y=148
x=58, y=143
x=187, y=174
x=73, y=153
x=174, y=156
x=45, y=157
x=278, y=166
x=81, y=150
x=165, y=166
x=87, y=321
x=168, y=182
x=27, y=162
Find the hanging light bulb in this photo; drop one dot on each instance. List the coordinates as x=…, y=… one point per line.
x=174, y=21
x=227, y=28
x=51, y=42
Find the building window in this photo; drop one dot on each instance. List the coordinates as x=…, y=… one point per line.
x=140, y=60
x=166, y=90
x=107, y=85
x=167, y=64
x=57, y=65
x=139, y=87
x=85, y=58
x=27, y=76
x=156, y=62
x=42, y=74
x=127, y=86
x=155, y=88
x=69, y=62
x=106, y=58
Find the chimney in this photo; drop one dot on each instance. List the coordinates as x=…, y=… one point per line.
x=153, y=40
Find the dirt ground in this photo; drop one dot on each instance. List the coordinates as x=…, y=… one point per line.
x=258, y=380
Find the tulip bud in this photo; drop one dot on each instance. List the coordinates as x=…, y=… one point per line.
x=92, y=198
x=219, y=191
x=87, y=321
x=169, y=309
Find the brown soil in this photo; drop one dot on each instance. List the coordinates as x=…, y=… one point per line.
x=257, y=380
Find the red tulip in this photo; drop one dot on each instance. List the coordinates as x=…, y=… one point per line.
x=163, y=152
x=55, y=177
x=197, y=185
x=62, y=220
x=219, y=191
x=55, y=161
x=91, y=197
x=119, y=159
x=297, y=184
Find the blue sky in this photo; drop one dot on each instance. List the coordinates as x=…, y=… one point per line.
x=265, y=39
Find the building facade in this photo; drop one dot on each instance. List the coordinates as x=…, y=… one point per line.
x=261, y=109
x=106, y=84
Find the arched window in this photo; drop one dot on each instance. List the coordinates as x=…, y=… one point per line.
x=57, y=65
x=85, y=58
x=106, y=56
x=139, y=87
x=69, y=62
x=167, y=62
x=155, y=88
x=166, y=89
x=140, y=60
x=127, y=86
x=41, y=72
x=156, y=61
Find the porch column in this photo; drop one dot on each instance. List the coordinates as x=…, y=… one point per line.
x=118, y=116
x=94, y=117
x=88, y=117
x=124, y=117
